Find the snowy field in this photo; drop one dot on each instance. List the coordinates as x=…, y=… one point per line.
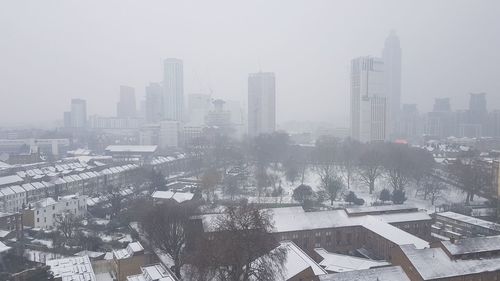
x=450, y=195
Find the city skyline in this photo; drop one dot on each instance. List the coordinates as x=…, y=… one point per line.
x=431, y=61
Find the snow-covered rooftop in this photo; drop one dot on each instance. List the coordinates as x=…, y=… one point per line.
x=132, y=248
x=155, y=272
x=132, y=148
x=381, y=209
x=179, y=197
x=470, y=220
x=472, y=245
x=342, y=263
x=434, y=263
x=12, y=179
x=392, y=273
x=296, y=219
x=74, y=268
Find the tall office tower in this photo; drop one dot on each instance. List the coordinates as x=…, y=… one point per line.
x=441, y=121
x=67, y=119
x=410, y=125
x=126, y=108
x=78, y=113
x=494, y=123
x=173, y=89
x=475, y=121
x=392, y=75
x=442, y=105
x=367, y=91
x=154, y=103
x=478, y=104
x=373, y=116
x=261, y=103
x=198, y=107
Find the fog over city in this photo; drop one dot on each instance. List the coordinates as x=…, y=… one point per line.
x=52, y=51
x=266, y=140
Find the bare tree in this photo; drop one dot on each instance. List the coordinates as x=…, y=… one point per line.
x=348, y=157
x=209, y=181
x=67, y=223
x=324, y=159
x=471, y=175
x=399, y=164
x=165, y=226
x=433, y=188
x=370, y=166
x=241, y=247
x=115, y=200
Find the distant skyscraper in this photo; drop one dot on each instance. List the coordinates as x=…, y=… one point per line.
x=173, y=89
x=78, y=113
x=154, y=102
x=67, y=119
x=261, y=103
x=198, y=107
x=126, y=107
x=410, y=125
x=477, y=103
x=442, y=105
x=392, y=75
x=476, y=121
x=367, y=99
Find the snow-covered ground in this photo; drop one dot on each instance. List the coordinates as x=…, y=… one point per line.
x=450, y=195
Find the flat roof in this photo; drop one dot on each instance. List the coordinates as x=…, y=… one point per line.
x=470, y=220
x=473, y=245
x=383, y=208
x=291, y=219
x=434, y=263
x=391, y=273
x=132, y=148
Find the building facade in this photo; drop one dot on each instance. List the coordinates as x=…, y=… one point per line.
x=126, y=107
x=173, y=89
x=261, y=103
x=154, y=103
x=369, y=103
x=44, y=213
x=392, y=76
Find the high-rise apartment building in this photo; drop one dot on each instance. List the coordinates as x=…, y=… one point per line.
x=78, y=113
x=367, y=100
x=173, y=89
x=126, y=106
x=391, y=56
x=261, y=103
x=154, y=103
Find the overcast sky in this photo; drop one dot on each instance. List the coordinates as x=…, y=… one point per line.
x=51, y=51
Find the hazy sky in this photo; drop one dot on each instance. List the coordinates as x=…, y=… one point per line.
x=51, y=51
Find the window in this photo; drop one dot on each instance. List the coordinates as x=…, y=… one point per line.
x=37, y=219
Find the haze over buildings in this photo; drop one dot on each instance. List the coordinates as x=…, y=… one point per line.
x=221, y=42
